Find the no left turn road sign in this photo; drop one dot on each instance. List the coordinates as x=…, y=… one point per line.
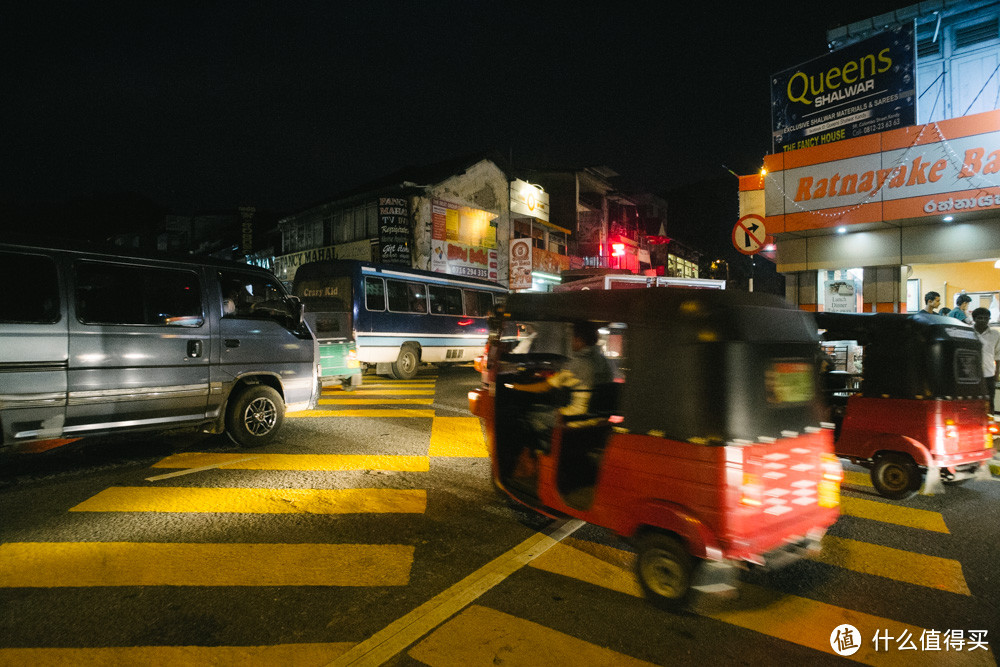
x=749, y=234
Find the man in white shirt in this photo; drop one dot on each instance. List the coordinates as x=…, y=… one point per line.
x=990, y=340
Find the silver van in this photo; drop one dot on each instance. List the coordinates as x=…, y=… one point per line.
x=93, y=343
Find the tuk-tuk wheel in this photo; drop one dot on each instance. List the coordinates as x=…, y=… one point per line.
x=896, y=476
x=664, y=570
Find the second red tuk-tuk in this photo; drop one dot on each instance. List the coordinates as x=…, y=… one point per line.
x=707, y=450
x=918, y=415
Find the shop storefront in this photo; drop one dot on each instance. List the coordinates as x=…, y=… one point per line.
x=873, y=223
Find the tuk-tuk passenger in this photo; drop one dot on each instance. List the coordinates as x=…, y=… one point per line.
x=586, y=369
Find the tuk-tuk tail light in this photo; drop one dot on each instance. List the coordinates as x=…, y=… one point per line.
x=832, y=470
x=751, y=491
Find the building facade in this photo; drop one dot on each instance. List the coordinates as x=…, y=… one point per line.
x=873, y=222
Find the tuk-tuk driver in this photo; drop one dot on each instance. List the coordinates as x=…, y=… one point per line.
x=586, y=369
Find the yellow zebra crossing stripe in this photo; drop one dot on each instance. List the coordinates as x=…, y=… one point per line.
x=256, y=501
x=79, y=564
x=376, y=401
x=942, y=574
x=790, y=618
x=481, y=636
x=854, y=478
x=387, y=413
x=457, y=436
x=319, y=462
x=218, y=656
x=887, y=513
x=395, y=392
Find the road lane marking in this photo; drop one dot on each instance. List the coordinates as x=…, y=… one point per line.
x=168, y=475
x=387, y=413
x=858, y=479
x=256, y=501
x=457, y=436
x=913, y=568
x=484, y=636
x=394, y=392
x=592, y=563
x=218, y=656
x=901, y=516
x=376, y=401
x=789, y=618
x=79, y=564
x=399, y=634
x=323, y=462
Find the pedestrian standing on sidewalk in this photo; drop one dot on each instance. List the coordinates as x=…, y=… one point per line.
x=961, y=310
x=990, y=340
x=931, y=302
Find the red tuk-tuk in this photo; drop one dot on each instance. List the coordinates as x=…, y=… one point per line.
x=918, y=414
x=707, y=451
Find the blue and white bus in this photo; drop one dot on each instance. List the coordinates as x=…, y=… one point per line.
x=396, y=318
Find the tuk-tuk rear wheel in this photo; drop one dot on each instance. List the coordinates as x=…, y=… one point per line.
x=664, y=570
x=896, y=476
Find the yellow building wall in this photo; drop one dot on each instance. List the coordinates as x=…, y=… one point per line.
x=949, y=280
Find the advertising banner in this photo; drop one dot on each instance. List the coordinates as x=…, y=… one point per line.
x=394, y=231
x=910, y=180
x=529, y=200
x=840, y=297
x=860, y=89
x=520, y=264
x=459, y=259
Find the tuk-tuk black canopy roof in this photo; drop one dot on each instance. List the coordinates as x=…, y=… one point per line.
x=701, y=365
x=679, y=312
x=911, y=355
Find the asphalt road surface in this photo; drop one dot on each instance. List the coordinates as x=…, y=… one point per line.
x=369, y=533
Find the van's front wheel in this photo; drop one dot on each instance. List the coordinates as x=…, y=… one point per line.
x=254, y=416
x=664, y=569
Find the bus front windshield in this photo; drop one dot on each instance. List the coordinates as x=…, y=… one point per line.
x=325, y=295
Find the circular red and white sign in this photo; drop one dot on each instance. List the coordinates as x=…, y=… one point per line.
x=749, y=234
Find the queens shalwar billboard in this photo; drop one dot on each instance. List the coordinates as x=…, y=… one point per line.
x=867, y=87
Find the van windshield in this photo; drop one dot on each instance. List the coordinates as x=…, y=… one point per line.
x=325, y=295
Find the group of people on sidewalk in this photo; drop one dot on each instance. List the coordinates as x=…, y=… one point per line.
x=988, y=337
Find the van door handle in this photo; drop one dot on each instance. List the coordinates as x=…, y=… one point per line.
x=232, y=342
x=194, y=348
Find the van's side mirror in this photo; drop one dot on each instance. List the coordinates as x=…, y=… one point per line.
x=296, y=310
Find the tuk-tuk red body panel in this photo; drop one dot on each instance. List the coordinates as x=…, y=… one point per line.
x=935, y=432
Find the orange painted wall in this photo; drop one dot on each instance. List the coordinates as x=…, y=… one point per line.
x=968, y=276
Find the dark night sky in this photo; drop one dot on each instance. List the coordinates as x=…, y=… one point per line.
x=210, y=105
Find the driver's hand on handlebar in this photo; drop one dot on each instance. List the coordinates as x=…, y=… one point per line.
x=533, y=388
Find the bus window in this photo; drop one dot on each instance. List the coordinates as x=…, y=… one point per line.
x=374, y=294
x=445, y=300
x=418, y=298
x=398, y=299
x=478, y=304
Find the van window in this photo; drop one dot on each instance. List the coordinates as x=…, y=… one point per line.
x=445, y=300
x=374, y=294
x=36, y=299
x=108, y=293
x=241, y=292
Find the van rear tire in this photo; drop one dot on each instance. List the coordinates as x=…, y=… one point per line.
x=405, y=366
x=254, y=416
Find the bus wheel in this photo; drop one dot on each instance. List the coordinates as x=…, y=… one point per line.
x=664, y=569
x=896, y=476
x=254, y=416
x=405, y=367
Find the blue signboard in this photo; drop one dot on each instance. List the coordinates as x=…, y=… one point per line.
x=860, y=89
